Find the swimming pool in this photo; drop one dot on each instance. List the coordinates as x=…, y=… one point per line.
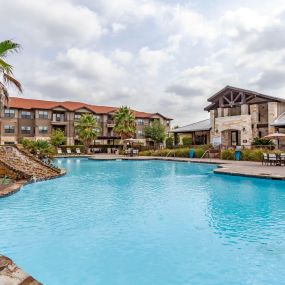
x=147, y=223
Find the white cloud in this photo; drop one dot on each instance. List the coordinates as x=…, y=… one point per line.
x=117, y=27
x=139, y=51
x=91, y=64
x=51, y=22
x=122, y=56
x=153, y=60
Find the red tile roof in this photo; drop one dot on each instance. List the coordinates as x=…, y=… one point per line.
x=28, y=104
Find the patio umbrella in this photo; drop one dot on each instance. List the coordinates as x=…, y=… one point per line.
x=276, y=136
x=130, y=141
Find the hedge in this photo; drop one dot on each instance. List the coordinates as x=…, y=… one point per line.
x=246, y=154
x=179, y=152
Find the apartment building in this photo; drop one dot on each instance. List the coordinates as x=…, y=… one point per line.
x=36, y=119
x=237, y=116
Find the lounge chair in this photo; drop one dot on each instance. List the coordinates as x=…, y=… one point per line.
x=272, y=158
x=135, y=152
x=128, y=151
x=59, y=151
x=265, y=159
x=68, y=151
x=78, y=150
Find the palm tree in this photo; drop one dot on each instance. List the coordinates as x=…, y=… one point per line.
x=6, y=71
x=87, y=129
x=125, y=124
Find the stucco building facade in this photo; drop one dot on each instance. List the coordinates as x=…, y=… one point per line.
x=36, y=119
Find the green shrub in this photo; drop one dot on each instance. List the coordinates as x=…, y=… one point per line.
x=246, y=154
x=199, y=152
x=57, y=137
x=262, y=141
x=179, y=152
x=169, y=142
x=41, y=148
x=228, y=154
x=187, y=141
x=146, y=153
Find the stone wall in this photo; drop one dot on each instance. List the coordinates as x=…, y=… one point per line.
x=272, y=115
x=240, y=123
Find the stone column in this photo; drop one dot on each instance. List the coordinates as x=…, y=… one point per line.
x=272, y=115
x=226, y=112
x=212, y=122
x=220, y=112
x=244, y=109
x=254, y=111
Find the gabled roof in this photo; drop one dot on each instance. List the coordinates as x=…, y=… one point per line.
x=254, y=95
x=246, y=91
x=29, y=104
x=204, y=125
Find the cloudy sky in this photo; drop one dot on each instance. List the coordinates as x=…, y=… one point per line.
x=153, y=55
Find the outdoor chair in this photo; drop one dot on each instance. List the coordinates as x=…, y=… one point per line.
x=265, y=159
x=77, y=150
x=272, y=158
x=135, y=152
x=68, y=151
x=128, y=151
x=59, y=151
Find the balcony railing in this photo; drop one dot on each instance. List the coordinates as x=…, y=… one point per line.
x=110, y=123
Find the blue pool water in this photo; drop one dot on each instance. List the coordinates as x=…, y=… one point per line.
x=147, y=223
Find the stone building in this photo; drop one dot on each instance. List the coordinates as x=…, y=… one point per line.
x=237, y=116
x=35, y=119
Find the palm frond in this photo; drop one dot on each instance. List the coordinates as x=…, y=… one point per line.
x=6, y=67
x=11, y=80
x=4, y=97
x=8, y=46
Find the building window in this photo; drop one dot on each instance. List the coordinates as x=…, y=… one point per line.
x=26, y=115
x=9, y=129
x=140, y=133
x=58, y=117
x=97, y=130
x=43, y=129
x=43, y=114
x=77, y=117
x=25, y=129
x=140, y=122
x=9, y=143
x=9, y=113
x=97, y=118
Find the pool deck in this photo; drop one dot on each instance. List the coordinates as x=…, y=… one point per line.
x=231, y=167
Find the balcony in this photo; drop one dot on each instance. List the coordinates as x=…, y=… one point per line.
x=58, y=119
x=110, y=124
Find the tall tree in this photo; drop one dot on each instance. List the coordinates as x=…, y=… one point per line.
x=87, y=129
x=57, y=137
x=6, y=71
x=155, y=132
x=125, y=122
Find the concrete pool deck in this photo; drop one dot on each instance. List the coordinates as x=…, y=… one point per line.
x=232, y=167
